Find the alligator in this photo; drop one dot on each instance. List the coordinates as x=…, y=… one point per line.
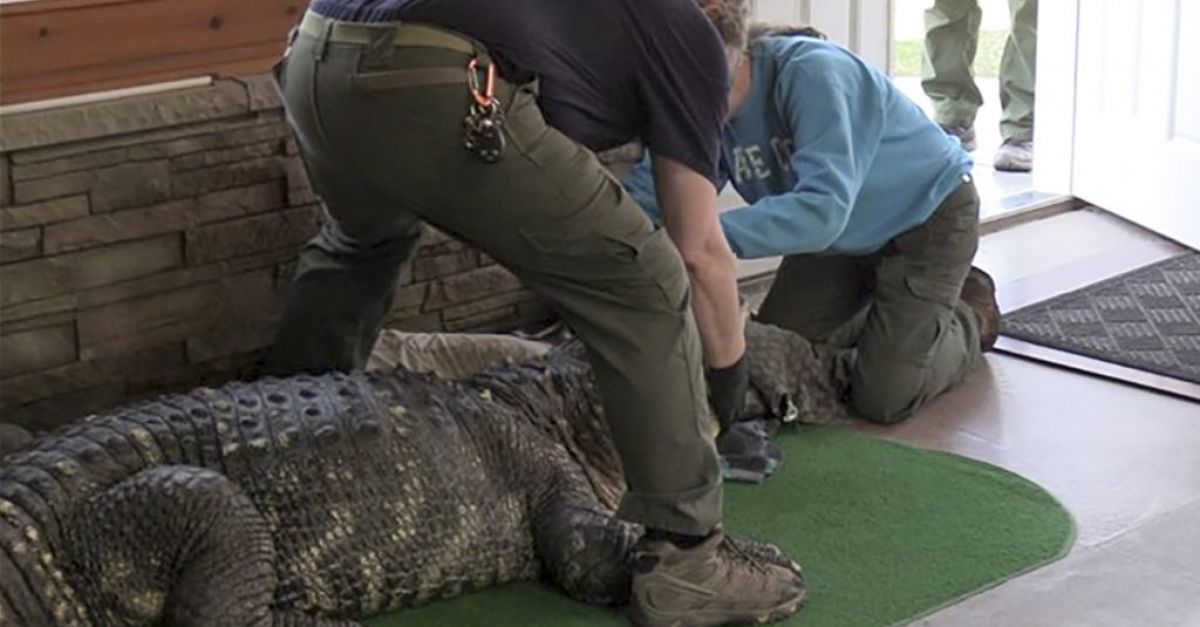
x=322, y=500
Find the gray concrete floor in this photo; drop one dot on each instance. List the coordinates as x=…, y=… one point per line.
x=1125, y=461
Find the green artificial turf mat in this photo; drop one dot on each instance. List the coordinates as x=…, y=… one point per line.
x=886, y=533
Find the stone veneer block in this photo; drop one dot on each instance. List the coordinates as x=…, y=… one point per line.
x=160, y=144
x=215, y=157
x=6, y=196
x=160, y=318
x=18, y=245
x=53, y=411
x=81, y=375
x=240, y=336
x=157, y=283
x=203, y=181
x=263, y=93
x=473, y=285
x=50, y=276
x=115, y=187
x=491, y=303
x=430, y=267
x=37, y=349
x=235, y=238
x=176, y=215
x=49, y=212
x=123, y=115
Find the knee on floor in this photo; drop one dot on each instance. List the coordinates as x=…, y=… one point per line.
x=885, y=406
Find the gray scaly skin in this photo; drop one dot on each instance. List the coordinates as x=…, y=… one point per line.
x=320, y=500
x=791, y=375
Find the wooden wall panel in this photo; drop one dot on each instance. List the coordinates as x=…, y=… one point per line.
x=51, y=48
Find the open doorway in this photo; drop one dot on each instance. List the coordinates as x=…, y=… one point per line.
x=1002, y=192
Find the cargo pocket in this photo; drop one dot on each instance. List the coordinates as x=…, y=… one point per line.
x=620, y=254
x=409, y=78
x=943, y=293
x=929, y=321
x=589, y=242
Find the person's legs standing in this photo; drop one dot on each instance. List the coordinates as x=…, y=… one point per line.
x=951, y=38
x=347, y=274
x=550, y=213
x=1018, y=72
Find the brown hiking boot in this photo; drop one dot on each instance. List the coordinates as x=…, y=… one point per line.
x=716, y=582
x=979, y=291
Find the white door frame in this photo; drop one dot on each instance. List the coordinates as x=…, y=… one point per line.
x=864, y=26
x=1054, y=107
x=1137, y=113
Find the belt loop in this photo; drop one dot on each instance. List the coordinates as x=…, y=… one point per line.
x=382, y=45
x=291, y=40
x=323, y=40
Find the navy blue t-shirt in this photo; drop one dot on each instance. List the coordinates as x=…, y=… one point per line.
x=610, y=71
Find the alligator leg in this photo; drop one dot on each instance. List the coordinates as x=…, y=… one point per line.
x=585, y=550
x=181, y=545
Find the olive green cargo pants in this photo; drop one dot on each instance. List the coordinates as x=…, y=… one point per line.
x=908, y=337
x=951, y=38
x=384, y=156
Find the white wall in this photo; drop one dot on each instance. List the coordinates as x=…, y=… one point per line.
x=863, y=26
x=1054, y=132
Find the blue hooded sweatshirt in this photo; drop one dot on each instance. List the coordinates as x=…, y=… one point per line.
x=830, y=155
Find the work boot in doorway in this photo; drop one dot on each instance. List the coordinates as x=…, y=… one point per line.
x=1014, y=155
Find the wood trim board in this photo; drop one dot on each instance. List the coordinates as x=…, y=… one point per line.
x=55, y=48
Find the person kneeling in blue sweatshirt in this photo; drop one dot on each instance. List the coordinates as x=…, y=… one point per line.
x=872, y=206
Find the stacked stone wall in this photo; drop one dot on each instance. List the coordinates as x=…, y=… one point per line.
x=146, y=244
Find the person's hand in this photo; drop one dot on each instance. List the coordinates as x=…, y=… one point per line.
x=747, y=453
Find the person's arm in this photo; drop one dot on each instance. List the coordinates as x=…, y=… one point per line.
x=836, y=112
x=688, y=201
x=640, y=185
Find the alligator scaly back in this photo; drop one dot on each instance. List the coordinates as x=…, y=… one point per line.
x=304, y=501
x=319, y=500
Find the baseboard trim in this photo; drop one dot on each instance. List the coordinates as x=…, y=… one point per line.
x=1051, y=205
x=1103, y=369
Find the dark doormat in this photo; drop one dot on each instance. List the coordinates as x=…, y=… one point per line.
x=1147, y=319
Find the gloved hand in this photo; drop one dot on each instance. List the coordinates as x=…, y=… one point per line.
x=746, y=451
x=727, y=390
